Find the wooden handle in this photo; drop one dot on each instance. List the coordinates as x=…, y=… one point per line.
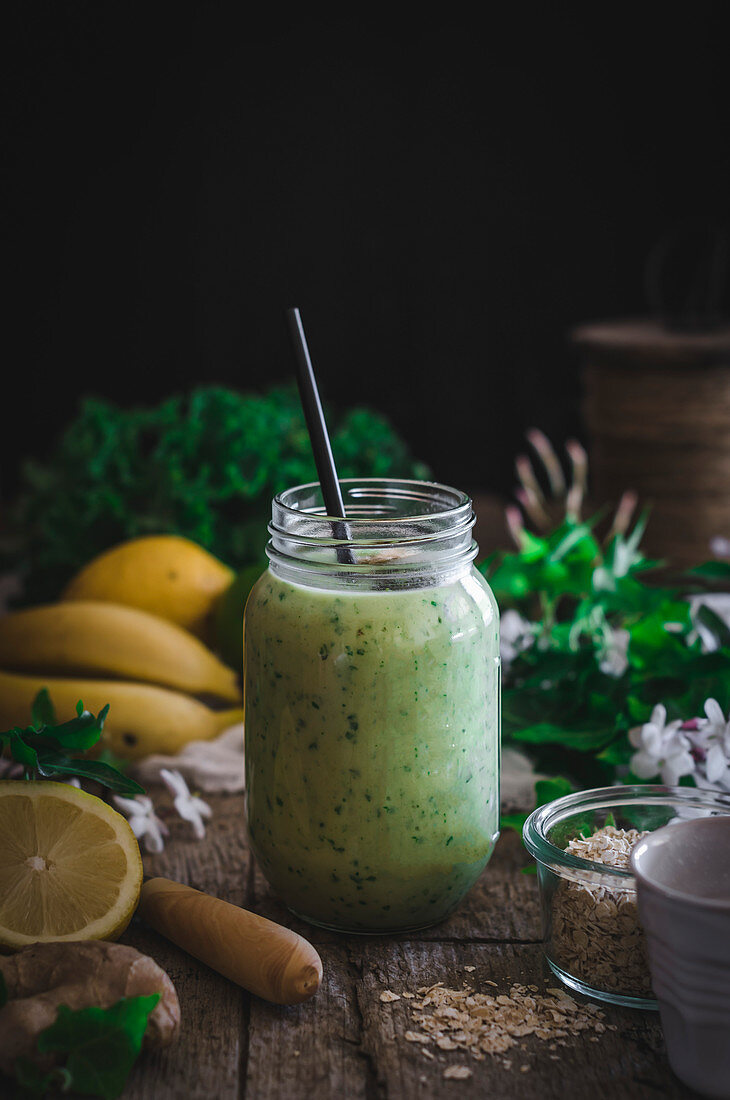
x=269, y=960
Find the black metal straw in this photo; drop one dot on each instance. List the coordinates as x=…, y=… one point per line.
x=318, y=435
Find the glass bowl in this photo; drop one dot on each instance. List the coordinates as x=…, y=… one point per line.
x=593, y=940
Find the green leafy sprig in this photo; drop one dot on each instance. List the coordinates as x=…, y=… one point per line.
x=561, y=701
x=47, y=749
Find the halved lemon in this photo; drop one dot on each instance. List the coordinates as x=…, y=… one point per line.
x=70, y=867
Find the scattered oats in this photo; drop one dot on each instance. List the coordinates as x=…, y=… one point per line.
x=416, y=1037
x=524, y=1069
x=444, y=1043
x=491, y=983
x=387, y=996
x=297, y=1053
x=428, y=1054
x=488, y=1024
x=457, y=1073
x=595, y=933
x=470, y=969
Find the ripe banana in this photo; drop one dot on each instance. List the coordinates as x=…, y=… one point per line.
x=142, y=719
x=167, y=575
x=92, y=638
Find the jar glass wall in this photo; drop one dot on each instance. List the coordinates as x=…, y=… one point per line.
x=372, y=707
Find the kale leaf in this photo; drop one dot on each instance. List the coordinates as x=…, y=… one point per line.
x=203, y=465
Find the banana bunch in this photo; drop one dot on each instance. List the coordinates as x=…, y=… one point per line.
x=124, y=633
x=143, y=719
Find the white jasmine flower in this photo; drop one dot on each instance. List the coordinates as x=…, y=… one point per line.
x=144, y=822
x=515, y=635
x=663, y=749
x=714, y=738
x=613, y=659
x=189, y=806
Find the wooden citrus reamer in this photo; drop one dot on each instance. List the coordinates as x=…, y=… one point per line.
x=264, y=957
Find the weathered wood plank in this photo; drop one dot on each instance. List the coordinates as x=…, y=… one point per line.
x=219, y=864
x=207, y=1057
x=315, y=1049
x=345, y=1043
x=628, y=1063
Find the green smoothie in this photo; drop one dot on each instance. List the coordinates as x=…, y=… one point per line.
x=372, y=747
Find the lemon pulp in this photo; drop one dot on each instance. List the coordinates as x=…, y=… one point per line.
x=70, y=867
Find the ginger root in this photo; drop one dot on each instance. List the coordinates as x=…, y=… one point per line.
x=45, y=975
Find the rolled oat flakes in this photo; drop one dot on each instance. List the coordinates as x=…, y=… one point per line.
x=594, y=932
x=486, y=1024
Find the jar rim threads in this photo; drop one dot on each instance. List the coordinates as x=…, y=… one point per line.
x=396, y=527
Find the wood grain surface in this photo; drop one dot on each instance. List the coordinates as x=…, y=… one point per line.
x=345, y=1043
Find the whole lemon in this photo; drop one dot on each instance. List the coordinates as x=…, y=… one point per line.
x=168, y=575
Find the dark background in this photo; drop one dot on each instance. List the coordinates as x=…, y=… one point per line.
x=443, y=199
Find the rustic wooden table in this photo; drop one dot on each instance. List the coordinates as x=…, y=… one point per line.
x=345, y=1043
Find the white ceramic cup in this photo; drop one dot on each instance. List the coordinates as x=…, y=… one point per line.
x=683, y=888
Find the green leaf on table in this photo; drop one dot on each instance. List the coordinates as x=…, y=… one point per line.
x=51, y=763
x=21, y=752
x=80, y=733
x=100, y=1044
x=44, y=749
x=42, y=712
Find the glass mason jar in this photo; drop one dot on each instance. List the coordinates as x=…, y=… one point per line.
x=371, y=699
